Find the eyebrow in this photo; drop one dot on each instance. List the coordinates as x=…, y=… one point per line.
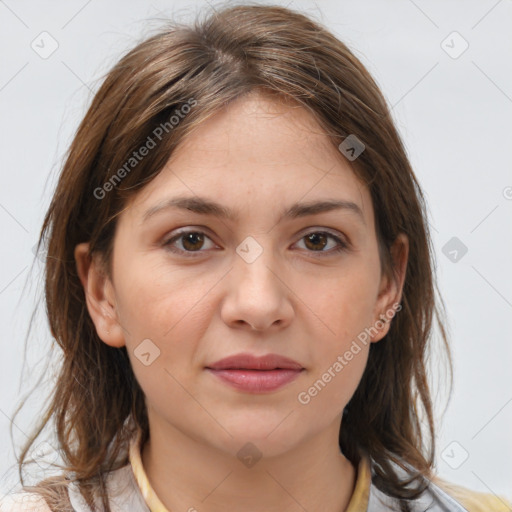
x=204, y=206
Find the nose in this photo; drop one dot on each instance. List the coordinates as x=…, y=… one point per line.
x=257, y=296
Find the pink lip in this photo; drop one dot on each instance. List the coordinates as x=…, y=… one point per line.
x=256, y=374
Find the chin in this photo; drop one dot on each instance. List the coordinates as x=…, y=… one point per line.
x=260, y=436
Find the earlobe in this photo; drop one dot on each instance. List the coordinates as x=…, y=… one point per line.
x=390, y=293
x=99, y=296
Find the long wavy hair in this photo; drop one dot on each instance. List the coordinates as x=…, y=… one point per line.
x=97, y=404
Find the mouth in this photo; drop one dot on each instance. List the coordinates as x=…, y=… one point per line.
x=256, y=381
x=254, y=374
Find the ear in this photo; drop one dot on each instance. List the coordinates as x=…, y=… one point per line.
x=99, y=296
x=390, y=290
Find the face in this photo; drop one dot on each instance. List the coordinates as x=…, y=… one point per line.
x=190, y=287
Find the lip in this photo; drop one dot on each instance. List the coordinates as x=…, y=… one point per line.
x=255, y=374
x=247, y=361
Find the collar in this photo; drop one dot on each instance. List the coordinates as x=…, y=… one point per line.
x=358, y=501
x=152, y=500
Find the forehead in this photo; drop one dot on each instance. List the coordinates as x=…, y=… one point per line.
x=257, y=153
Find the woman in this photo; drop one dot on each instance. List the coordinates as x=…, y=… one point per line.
x=239, y=275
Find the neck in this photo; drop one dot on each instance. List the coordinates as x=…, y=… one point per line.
x=189, y=475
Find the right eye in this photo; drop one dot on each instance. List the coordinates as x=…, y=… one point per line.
x=190, y=241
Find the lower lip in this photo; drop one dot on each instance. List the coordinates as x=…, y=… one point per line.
x=256, y=381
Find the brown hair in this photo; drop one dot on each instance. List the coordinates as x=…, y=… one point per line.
x=97, y=402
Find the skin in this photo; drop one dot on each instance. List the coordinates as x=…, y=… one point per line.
x=297, y=299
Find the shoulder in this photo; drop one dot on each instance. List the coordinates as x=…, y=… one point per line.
x=23, y=502
x=439, y=496
x=474, y=501
x=121, y=489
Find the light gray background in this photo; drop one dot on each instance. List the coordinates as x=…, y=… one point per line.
x=454, y=115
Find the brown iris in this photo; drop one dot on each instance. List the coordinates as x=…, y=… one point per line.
x=192, y=241
x=316, y=239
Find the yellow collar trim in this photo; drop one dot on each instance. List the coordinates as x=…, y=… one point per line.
x=150, y=497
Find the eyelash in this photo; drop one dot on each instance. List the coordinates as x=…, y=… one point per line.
x=168, y=244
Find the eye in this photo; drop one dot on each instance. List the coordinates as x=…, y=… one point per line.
x=190, y=241
x=194, y=241
x=316, y=241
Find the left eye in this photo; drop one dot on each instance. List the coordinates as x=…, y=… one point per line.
x=193, y=241
x=318, y=240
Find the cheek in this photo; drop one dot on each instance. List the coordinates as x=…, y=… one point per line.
x=344, y=308
x=344, y=302
x=165, y=316
x=173, y=310
x=330, y=389
x=339, y=360
x=161, y=302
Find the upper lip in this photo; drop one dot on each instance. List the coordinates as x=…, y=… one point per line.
x=251, y=362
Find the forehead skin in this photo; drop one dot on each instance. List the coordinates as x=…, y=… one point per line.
x=257, y=156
